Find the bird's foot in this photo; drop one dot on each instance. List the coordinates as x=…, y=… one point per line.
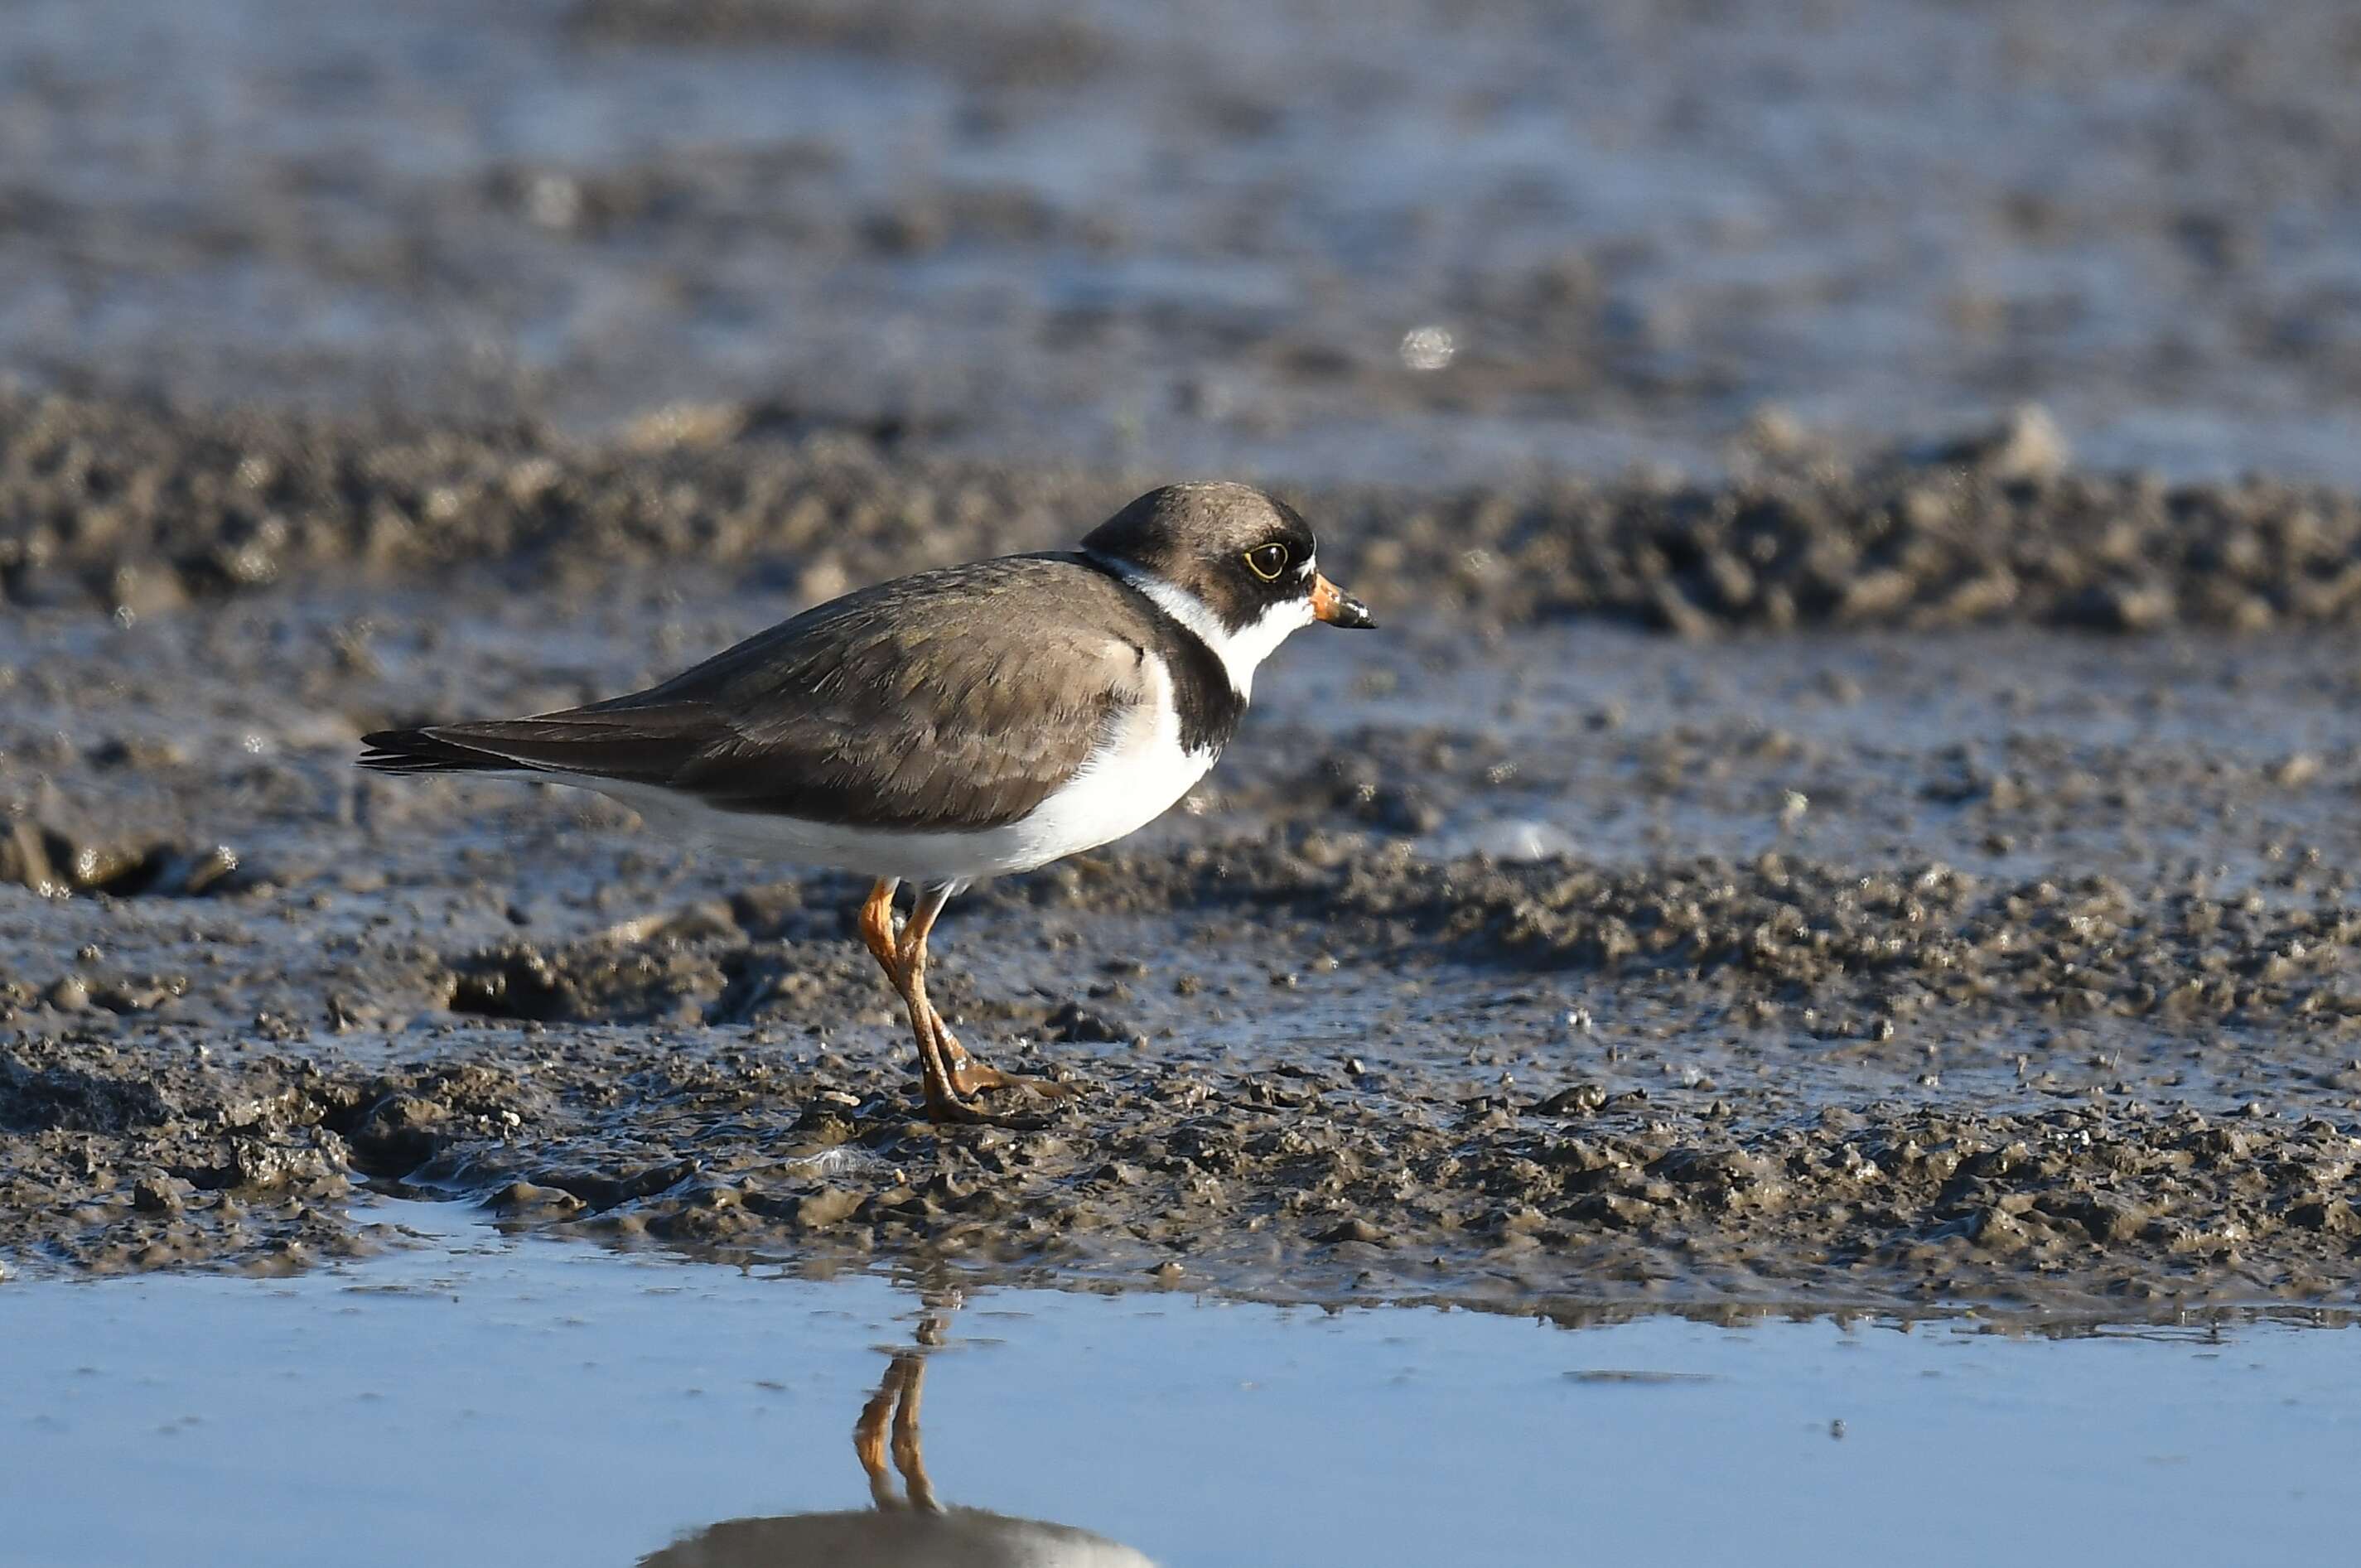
x=978, y=1092
x=980, y=1096
x=971, y=1078
x=946, y=1105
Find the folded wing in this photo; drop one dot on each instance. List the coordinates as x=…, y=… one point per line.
x=955, y=700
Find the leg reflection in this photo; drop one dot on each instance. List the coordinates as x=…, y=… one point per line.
x=906, y=1457
x=904, y=1528
x=894, y=1407
x=896, y=1404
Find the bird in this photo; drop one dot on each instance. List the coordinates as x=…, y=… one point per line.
x=948, y=727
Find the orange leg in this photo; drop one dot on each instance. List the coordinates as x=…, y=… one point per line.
x=950, y=1077
x=965, y=1076
x=892, y=953
x=877, y=922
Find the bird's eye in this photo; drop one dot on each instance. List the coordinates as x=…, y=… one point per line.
x=1267, y=561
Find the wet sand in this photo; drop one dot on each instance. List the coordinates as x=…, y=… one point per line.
x=1511, y=956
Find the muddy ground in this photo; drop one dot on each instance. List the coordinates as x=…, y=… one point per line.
x=1512, y=954
x=140, y=509
x=1854, y=801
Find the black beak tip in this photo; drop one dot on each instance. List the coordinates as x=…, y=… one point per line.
x=1355, y=615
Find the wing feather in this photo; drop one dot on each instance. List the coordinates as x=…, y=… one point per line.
x=951, y=700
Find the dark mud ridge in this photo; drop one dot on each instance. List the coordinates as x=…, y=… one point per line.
x=126, y=507
x=1274, y=1179
x=674, y=1083
x=1837, y=948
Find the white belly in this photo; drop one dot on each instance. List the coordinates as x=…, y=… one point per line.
x=1138, y=772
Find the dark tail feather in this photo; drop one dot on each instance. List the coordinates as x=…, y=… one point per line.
x=423, y=752
x=638, y=745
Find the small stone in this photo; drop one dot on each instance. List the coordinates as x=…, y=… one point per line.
x=1352, y=1230
x=2329, y=1216
x=1075, y=1023
x=399, y=1133
x=2027, y=444
x=2293, y=772
x=828, y=1206
x=1614, y=1210
x=521, y=1199
x=2111, y=1220
x=1579, y=1101
x=1997, y=1230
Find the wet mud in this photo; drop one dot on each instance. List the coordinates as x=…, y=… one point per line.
x=138, y=509
x=1295, y=1177
x=1958, y=906
x=1911, y=969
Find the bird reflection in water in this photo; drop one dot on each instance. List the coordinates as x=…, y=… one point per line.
x=909, y=1528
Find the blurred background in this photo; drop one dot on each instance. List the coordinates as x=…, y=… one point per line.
x=1311, y=239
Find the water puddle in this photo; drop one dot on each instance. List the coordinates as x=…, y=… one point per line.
x=523, y=1401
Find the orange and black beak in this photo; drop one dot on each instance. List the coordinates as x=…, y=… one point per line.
x=1338, y=608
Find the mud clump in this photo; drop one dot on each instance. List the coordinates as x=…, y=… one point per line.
x=634, y=985
x=126, y=507
x=64, y=1099
x=114, y=1160
x=703, y=969
x=53, y=861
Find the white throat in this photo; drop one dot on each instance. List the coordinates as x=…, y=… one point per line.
x=1240, y=651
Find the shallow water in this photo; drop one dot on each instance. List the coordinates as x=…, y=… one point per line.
x=528, y=1401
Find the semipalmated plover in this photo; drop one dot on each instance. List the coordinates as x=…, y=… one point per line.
x=949, y=725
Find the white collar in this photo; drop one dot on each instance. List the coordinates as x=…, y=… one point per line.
x=1241, y=651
